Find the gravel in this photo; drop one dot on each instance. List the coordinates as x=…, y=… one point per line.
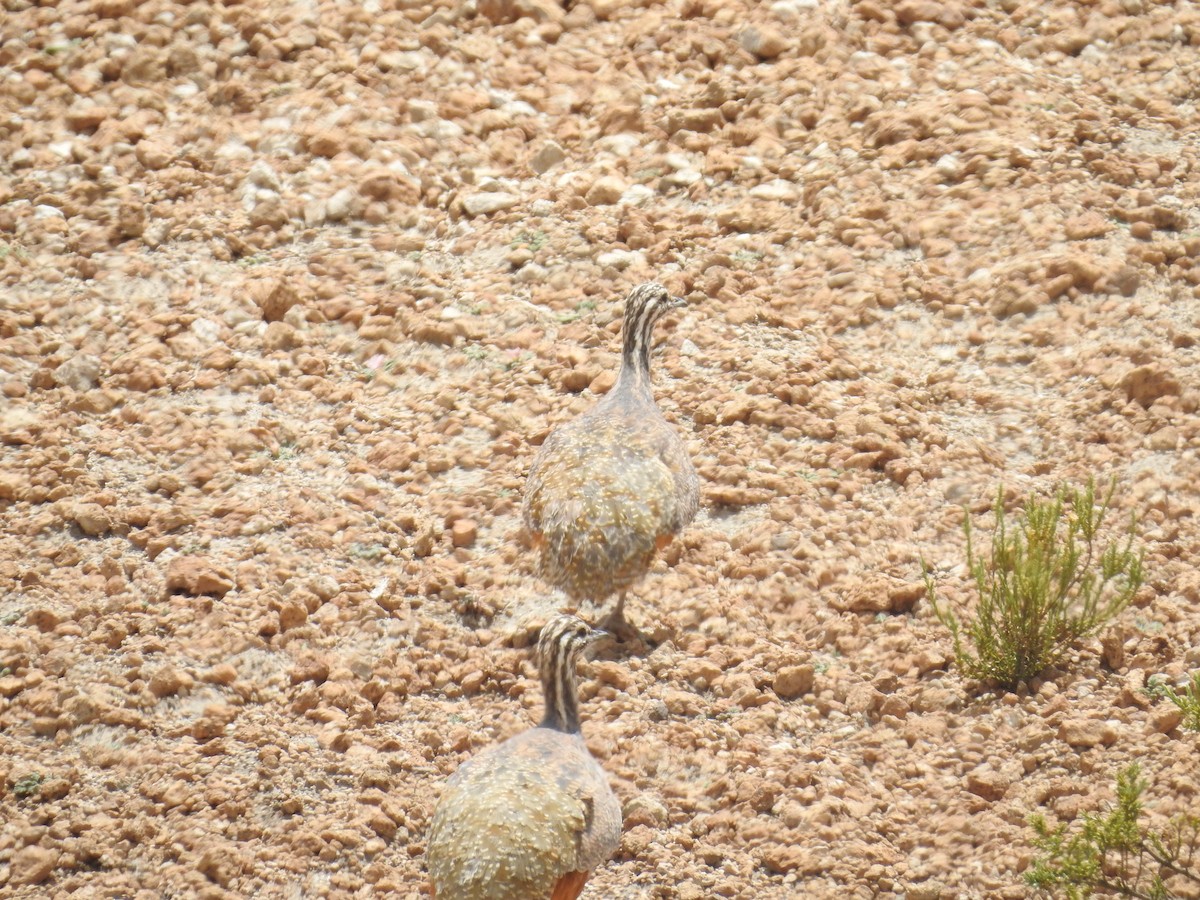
x=291, y=293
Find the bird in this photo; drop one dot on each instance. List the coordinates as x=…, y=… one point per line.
x=532, y=817
x=608, y=490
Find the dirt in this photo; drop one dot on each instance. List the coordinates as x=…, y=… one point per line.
x=292, y=291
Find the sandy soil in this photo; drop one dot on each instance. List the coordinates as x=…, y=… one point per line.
x=292, y=291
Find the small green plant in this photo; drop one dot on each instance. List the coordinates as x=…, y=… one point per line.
x=7, y=250
x=28, y=785
x=534, y=240
x=1155, y=687
x=515, y=359
x=1046, y=585
x=61, y=47
x=360, y=550
x=748, y=257
x=1114, y=853
x=570, y=315
x=1148, y=626
x=1188, y=702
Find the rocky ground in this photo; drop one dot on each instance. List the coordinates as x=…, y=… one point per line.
x=292, y=291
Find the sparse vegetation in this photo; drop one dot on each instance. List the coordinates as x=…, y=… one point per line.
x=534, y=240
x=1045, y=585
x=28, y=785
x=1115, y=854
x=1155, y=687
x=7, y=250
x=1188, y=702
x=368, y=551
x=570, y=315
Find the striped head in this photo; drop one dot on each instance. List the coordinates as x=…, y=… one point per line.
x=562, y=642
x=646, y=304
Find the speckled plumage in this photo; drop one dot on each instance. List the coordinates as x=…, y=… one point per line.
x=529, y=819
x=610, y=488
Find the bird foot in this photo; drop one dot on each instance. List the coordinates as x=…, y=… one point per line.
x=627, y=639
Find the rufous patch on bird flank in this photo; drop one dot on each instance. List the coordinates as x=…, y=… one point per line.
x=570, y=886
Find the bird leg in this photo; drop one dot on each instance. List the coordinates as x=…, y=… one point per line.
x=614, y=623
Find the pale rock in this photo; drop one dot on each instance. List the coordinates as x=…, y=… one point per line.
x=262, y=176
x=637, y=195
x=92, y=519
x=531, y=273
x=340, y=205
x=1088, y=732
x=620, y=259
x=32, y=865
x=547, y=157
x=80, y=373
x=763, y=41
x=779, y=189
x=154, y=155
x=315, y=212
x=605, y=190
x=949, y=167
x=488, y=202
x=422, y=110
x=791, y=11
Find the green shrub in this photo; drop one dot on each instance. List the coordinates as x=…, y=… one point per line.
x=1113, y=853
x=1188, y=702
x=28, y=785
x=1045, y=585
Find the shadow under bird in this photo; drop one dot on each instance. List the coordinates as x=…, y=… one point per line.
x=611, y=488
x=529, y=819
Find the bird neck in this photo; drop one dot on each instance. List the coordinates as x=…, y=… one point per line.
x=561, y=692
x=635, y=353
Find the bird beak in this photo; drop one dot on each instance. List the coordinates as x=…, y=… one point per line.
x=598, y=638
x=678, y=303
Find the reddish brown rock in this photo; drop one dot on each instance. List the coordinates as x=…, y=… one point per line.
x=1088, y=732
x=986, y=782
x=33, y=865
x=1148, y=383
x=793, y=681
x=197, y=576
